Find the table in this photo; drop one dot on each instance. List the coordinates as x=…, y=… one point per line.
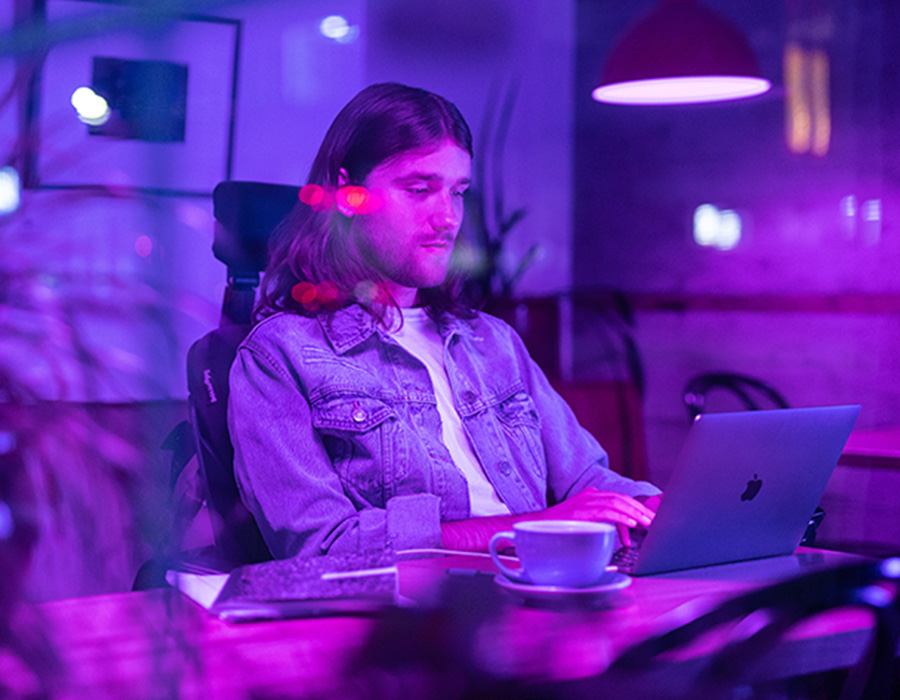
x=159, y=644
x=879, y=449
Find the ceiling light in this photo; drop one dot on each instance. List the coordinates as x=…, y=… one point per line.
x=681, y=52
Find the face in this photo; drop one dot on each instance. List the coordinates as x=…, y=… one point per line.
x=409, y=238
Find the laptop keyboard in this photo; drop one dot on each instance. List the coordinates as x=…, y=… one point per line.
x=624, y=558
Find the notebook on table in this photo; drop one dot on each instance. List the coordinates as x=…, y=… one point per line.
x=744, y=487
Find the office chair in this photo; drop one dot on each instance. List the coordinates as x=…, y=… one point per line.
x=752, y=394
x=245, y=213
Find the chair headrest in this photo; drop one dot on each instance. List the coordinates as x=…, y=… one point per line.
x=247, y=213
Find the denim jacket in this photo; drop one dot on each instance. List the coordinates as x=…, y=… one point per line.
x=337, y=435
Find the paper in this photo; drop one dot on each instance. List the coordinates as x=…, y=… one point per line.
x=203, y=589
x=300, y=587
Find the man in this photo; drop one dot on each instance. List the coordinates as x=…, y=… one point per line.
x=370, y=406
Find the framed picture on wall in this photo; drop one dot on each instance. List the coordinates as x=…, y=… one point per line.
x=169, y=83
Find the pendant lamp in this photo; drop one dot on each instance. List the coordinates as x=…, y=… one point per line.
x=681, y=52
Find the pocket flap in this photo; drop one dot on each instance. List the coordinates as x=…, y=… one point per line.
x=356, y=414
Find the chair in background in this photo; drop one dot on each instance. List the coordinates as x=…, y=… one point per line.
x=749, y=626
x=752, y=394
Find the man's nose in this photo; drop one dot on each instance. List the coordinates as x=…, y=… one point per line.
x=447, y=215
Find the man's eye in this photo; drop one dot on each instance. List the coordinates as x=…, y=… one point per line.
x=417, y=190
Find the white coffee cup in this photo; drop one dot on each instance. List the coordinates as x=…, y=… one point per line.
x=566, y=553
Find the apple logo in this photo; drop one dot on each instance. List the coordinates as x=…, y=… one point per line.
x=753, y=487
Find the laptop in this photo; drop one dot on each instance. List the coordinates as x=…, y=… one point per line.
x=744, y=487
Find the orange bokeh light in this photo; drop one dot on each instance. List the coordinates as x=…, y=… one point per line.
x=357, y=199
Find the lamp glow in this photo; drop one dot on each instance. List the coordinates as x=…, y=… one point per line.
x=681, y=90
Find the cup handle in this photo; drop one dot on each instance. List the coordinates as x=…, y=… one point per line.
x=513, y=574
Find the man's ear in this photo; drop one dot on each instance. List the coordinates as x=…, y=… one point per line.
x=341, y=202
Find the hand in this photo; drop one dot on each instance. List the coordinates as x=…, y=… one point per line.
x=593, y=504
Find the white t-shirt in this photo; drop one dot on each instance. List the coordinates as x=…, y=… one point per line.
x=419, y=336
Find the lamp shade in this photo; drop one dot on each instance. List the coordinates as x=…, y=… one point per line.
x=682, y=52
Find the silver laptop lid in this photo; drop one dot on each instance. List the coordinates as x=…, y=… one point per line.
x=745, y=486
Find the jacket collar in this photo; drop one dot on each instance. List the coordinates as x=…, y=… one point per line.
x=351, y=325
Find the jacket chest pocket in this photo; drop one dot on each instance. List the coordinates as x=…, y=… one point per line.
x=358, y=433
x=519, y=423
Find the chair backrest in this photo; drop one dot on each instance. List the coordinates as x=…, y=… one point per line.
x=246, y=213
x=209, y=362
x=770, y=613
x=751, y=393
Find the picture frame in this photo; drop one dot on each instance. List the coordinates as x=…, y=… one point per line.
x=72, y=155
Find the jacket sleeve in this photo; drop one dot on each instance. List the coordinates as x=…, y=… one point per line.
x=575, y=460
x=286, y=478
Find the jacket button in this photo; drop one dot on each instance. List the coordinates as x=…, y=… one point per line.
x=358, y=415
x=468, y=396
x=505, y=468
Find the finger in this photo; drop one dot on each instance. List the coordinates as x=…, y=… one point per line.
x=627, y=506
x=624, y=535
x=615, y=517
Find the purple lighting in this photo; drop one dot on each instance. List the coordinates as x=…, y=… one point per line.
x=681, y=90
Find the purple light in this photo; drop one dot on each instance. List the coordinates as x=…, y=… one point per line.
x=681, y=90
x=891, y=567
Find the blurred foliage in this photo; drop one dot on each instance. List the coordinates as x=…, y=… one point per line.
x=488, y=222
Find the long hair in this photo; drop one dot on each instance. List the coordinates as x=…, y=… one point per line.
x=309, y=249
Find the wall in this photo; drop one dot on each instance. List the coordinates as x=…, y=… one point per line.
x=475, y=53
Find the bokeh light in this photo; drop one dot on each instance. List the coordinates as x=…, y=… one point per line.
x=314, y=296
x=318, y=197
x=371, y=292
x=327, y=292
x=891, y=567
x=311, y=194
x=304, y=293
x=143, y=246
x=334, y=27
x=337, y=28
x=10, y=190
x=717, y=228
x=356, y=199
x=90, y=107
x=7, y=524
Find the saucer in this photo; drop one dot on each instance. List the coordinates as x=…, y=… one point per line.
x=612, y=584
